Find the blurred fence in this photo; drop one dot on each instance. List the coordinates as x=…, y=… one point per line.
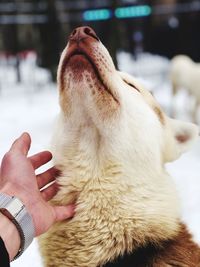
x=134, y=26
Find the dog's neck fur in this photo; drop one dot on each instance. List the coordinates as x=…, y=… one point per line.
x=109, y=198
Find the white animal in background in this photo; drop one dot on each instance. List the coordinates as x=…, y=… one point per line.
x=185, y=73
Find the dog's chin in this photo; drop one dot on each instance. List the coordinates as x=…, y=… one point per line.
x=77, y=64
x=81, y=76
x=81, y=83
x=81, y=72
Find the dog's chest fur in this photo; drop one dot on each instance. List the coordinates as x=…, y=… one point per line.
x=110, y=219
x=181, y=252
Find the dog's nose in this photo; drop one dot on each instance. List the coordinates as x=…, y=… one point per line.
x=83, y=32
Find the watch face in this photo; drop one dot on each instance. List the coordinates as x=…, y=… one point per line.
x=15, y=206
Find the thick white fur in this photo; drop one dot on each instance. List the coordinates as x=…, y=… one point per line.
x=112, y=159
x=185, y=73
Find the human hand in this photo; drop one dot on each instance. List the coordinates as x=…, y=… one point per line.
x=17, y=178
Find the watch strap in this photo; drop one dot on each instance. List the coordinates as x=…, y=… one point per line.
x=13, y=208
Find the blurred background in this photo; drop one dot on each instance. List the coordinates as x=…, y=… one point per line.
x=142, y=37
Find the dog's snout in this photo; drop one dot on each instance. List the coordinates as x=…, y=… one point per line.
x=83, y=32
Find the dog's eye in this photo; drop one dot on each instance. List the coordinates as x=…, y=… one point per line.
x=133, y=86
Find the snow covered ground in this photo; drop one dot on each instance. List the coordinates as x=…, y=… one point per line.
x=33, y=105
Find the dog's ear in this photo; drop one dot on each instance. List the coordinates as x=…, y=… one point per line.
x=182, y=136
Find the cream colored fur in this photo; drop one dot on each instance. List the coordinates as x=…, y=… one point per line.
x=111, y=155
x=185, y=73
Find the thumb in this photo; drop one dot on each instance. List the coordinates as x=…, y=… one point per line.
x=22, y=144
x=64, y=212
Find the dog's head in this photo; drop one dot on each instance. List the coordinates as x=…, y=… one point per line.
x=93, y=94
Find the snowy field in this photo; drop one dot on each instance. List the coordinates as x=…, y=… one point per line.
x=32, y=106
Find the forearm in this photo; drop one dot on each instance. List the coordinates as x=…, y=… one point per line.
x=9, y=235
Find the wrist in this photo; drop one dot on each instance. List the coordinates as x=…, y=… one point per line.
x=10, y=236
x=13, y=190
x=29, y=201
x=15, y=211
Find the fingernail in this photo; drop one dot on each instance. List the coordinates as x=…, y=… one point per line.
x=25, y=134
x=71, y=208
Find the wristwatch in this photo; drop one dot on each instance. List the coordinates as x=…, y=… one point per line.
x=14, y=210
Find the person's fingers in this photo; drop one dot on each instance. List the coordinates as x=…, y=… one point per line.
x=22, y=144
x=64, y=212
x=49, y=192
x=47, y=177
x=40, y=159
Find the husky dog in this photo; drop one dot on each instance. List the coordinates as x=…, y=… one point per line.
x=110, y=144
x=185, y=73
